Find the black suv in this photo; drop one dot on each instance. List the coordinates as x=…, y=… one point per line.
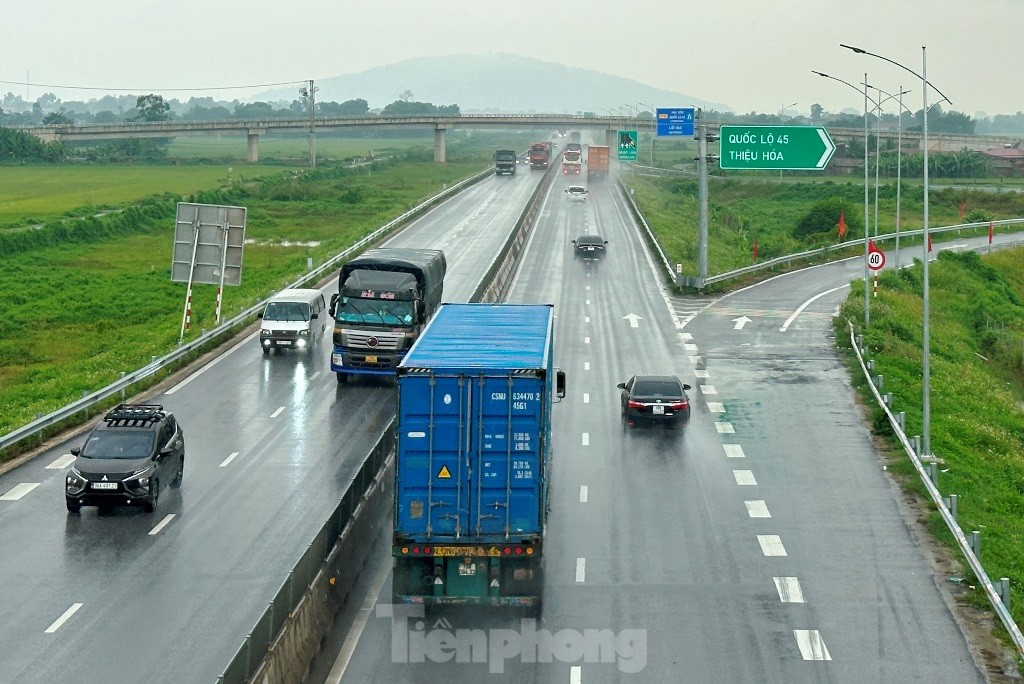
x=127, y=459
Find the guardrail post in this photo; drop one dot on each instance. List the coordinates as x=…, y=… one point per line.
x=887, y=398
x=917, y=445
x=933, y=473
x=871, y=364
x=951, y=505
x=976, y=543
x=248, y=653
x=1004, y=592
x=152, y=359
x=122, y=389
x=901, y=420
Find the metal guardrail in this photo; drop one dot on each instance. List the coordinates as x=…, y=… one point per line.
x=817, y=253
x=948, y=517
x=129, y=379
x=249, y=657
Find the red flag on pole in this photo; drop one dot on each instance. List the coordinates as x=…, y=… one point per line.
x=755, y=249
x=842, y=226
x=990, y=232
x=961, y=211
x=871, y=245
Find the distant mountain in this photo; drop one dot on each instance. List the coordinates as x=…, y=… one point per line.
x=494, y=83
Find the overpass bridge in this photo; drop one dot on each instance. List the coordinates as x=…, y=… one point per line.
x=253, y=128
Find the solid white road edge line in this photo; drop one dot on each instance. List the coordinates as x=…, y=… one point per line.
x=211, y=364
x=358, y=625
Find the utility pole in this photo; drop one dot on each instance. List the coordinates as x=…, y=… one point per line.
x=703, y=158
x=310, y=94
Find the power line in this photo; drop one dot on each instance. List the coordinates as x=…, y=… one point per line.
x=152, y=90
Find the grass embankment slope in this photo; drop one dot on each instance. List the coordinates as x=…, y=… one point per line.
x=86, y=299
x=977, y=388
x=740, y=210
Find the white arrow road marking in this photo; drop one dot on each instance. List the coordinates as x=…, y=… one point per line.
x=829, y=149
x=771, y=545
x=581, y=570
x=733, y=451
x=740, y=322
x=811, y=645
x=62, y=462
x=634, y=320
x=757, y=509
x=789, y=589
x=161, y=525
x=63, y=618
x=19, y=491
x=803, y=306
x=744, y=477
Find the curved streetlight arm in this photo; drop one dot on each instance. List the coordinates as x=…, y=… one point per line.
x=862, y=51
x=859, y=90
x=890, y=97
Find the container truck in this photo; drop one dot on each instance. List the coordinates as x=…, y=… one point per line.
x=597, y=162
x=540, y=154
x=474, y=457
x=385, y=298
x=505, y=162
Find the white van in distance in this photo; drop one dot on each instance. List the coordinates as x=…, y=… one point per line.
x=293, y=319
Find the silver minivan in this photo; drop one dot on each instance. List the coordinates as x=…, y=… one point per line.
x=293, y=319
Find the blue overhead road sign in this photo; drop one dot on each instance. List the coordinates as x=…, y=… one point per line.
x=675, y=121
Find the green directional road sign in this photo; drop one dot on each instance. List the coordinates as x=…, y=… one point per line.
x=627, y=145
x=806, y=148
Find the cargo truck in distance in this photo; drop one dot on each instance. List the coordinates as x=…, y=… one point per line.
x=385, y=298
x=505, y=162
x=572, y=163
x=474, y=457
x=540, y=154
x=597, y=162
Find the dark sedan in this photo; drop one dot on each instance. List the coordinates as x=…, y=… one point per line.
x=589, y=247
x=655, y=399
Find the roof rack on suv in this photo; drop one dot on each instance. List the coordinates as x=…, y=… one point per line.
x=132, y=413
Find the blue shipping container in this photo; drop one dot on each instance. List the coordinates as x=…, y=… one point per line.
x=474, y=420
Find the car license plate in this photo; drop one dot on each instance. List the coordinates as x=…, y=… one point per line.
x=658, y=410
x=371, y=359
x=104, y=485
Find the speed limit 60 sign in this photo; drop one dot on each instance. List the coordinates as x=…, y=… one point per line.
x=876, y=260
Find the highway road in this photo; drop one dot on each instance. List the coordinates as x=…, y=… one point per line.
x=762, y=543
x=271, y=443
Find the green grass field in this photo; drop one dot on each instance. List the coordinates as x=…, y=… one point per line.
x=977, y=391
x=233, y=148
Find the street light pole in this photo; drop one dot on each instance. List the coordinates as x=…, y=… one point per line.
x=899, y=160
x=867, y=299
x=654, y=129
x=926, y=345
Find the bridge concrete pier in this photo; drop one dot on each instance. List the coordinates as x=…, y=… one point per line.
x=611, y=141
x=252, y=149
x=439, y=144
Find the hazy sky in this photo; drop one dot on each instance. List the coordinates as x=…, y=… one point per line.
x=748, y=54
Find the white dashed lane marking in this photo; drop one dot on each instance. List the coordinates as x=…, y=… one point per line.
x=708, y=389
x=278, y=412
x=586, y=398
x=584, y=492
x=229, y=459
x=586, y=439
x=733, y=451
x=771, y=545
x=161, y=525
x=703, y=374
x=575, y=675
x=744, y=477
x=19, y=490
x=757, y=509
x=789, y=589
x=62, y=462
x=581, y=570
x=725, y=428
x=810, y=644
x=689, y=346
x=63, y=618
x=716, y=407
